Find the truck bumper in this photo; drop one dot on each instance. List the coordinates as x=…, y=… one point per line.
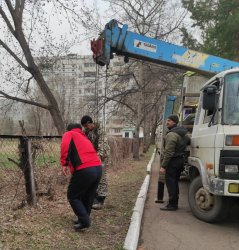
x=224, y=187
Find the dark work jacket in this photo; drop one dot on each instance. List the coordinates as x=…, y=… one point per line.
x=174, y=144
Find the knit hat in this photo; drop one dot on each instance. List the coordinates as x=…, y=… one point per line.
x=173, y=118
x=86, y=119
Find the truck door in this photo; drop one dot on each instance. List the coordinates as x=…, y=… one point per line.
x=204, y=137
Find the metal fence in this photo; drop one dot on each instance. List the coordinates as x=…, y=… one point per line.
x=30, y=168
x=27, y=164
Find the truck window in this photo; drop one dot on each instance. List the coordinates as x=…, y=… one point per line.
x=231, y=99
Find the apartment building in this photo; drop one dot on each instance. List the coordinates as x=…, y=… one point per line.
x=80, y=88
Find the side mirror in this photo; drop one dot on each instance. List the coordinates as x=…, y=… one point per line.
x=209, y=97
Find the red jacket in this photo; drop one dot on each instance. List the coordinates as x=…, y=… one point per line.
x=77, y=151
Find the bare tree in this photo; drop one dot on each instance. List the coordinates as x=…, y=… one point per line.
x=26, y=32
x=158, y=19
x=155, y=18
x=137, y=95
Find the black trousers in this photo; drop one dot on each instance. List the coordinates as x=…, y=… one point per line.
x=81, y=191
x=172, y=176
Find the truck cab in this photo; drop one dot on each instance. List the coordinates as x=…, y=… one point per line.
x=214, y=150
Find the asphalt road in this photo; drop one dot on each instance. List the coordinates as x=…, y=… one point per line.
x=169, y=230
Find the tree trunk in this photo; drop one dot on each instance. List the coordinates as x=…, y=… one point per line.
x=36, y=73
x=147, y=138
x=153, y=134
x=136, y=144
x=54, y=108
x=27, y=168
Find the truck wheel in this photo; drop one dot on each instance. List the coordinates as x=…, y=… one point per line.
x=206, y=206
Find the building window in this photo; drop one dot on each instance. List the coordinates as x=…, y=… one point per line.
x=89, y=82
x=89, y=90
x=87, y=65
x=126, y=134
x=89, y=74
x=117, y=130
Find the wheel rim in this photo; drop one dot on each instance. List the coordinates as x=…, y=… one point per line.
x=204, y=199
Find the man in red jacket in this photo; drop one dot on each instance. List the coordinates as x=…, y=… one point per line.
x=79, y=155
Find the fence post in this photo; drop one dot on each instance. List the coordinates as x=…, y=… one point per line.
x=27, y=168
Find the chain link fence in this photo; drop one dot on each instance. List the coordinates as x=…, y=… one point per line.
x=30, y=168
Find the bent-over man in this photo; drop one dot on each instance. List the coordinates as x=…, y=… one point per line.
x=79, y=156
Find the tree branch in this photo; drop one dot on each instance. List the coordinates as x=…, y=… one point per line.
x=25, y=101
x=10, y=7
x=121, y=102
x=14, y=55
x=178, y=23
x=28, y=82
x=9, y=25
x=19, y=6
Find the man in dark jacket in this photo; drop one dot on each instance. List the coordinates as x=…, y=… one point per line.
x=99, y=140
x=172, y=159
x=79, y=155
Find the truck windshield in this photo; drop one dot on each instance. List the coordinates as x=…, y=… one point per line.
x=231, y=99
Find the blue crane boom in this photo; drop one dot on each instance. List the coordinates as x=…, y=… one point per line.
x=119, y=40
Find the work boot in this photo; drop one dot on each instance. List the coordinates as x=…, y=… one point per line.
x=169, y=208
x=75, y=220
x=98, y=203
x=79, y=226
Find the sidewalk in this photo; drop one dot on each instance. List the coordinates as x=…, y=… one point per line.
x=159, y=228
x=180, y=230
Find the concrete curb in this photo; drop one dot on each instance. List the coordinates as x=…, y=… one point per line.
x=132, y=237
x=150, y=162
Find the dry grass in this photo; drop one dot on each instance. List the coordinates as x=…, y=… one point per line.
x=49, y=226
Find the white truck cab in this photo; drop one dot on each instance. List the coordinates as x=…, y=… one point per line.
x=214, y=150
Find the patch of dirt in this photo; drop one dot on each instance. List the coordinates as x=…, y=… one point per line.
x=49, y=226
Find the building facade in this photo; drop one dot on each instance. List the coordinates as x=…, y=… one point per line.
x=80, y=87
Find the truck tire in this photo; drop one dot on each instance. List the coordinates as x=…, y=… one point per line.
x=206, y=206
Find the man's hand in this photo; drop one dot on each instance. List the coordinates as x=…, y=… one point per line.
x=162, y=170
x=65, y=170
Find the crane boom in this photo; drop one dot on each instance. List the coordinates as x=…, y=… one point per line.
x=116, y=39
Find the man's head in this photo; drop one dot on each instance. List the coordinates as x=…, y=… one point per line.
x=87, y=122
x=73, y=125
x=172, y=121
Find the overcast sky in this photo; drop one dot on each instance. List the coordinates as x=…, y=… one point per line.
x=60, y=27
x=104, y=17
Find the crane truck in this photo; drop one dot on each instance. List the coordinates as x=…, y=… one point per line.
x=214, y=151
